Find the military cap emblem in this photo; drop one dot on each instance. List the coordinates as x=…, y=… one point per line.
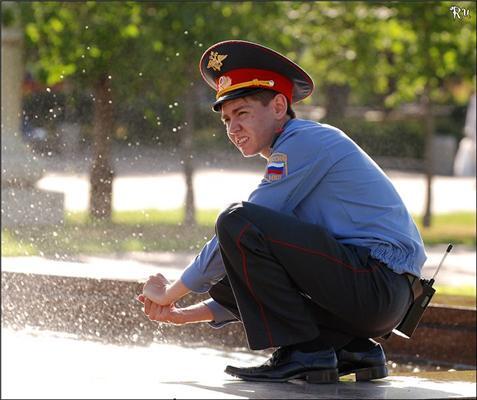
x=215, y=60
x=224, y=82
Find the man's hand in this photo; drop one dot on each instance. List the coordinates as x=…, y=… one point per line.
x=155, y=290
x=156, y=312
x=174, y=315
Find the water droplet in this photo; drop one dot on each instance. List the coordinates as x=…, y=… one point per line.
x=109, y=77
x=48, y=89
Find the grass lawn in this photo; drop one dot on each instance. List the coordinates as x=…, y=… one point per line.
x=462, y=296
x=128, y=231
x=155, y=230
x=456, y=228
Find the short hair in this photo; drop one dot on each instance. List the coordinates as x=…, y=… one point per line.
x=265, y=96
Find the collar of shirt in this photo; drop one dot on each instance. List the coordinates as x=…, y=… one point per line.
x=286, y=129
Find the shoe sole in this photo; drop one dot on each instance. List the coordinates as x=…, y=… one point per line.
x=316, y=376
x=368, y=374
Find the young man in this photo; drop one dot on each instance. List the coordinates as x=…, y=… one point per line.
x=323, y=255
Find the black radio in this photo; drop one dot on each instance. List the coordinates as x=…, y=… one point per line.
x=414, y=314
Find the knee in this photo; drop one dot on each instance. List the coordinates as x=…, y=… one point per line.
x=223, y=223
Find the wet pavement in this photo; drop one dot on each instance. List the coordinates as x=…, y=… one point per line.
x=51, y=365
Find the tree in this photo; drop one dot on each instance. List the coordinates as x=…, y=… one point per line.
x=439, y=50
x=396, y=52
x=96, y=46
x=133, y=49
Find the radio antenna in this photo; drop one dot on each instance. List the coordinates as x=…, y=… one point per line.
x=448, y=250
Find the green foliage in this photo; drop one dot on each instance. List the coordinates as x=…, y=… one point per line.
x=391, y=139
x=8, y=16
x=387, y=52
x=384, y=52
x=150, y=50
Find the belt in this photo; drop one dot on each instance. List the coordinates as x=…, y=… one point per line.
x=415, y=284
x=414, y=281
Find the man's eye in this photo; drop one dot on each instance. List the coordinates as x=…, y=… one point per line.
x=242, y=112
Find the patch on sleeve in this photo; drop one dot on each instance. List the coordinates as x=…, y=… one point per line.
x=277, y=167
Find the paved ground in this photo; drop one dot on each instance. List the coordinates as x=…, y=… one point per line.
x=47, y=365
x=458, y=269
x=149, y=178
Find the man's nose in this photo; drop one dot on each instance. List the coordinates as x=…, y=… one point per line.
x=234, y=127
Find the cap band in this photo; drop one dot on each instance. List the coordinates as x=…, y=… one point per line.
x=250, y=77
x=252, y=83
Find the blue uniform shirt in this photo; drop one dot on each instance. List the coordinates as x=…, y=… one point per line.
x=319, y=175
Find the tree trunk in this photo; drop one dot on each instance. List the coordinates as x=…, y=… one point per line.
x=186, y=150
x=429, y=156
x=336, y=101
x=101, y=176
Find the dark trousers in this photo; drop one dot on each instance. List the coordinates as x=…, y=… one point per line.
x=290, y=282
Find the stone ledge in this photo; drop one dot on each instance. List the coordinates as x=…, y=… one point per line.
x=106, y=310
x=99, y=309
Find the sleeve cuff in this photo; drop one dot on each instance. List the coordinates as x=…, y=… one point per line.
x=222, y=316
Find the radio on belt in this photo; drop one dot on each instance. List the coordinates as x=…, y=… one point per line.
x=409, y=323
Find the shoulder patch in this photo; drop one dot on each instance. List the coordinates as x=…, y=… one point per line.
x=277, y=167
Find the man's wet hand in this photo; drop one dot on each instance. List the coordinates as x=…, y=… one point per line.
x=155, y=289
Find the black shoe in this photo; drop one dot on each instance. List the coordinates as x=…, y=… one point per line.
x=366, y=365
x=286, y=364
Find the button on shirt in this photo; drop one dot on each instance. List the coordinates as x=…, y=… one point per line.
x=328, y=180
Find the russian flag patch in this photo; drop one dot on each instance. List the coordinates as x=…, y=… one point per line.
x=276, y=167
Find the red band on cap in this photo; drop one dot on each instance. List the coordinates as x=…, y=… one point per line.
x=281, y=84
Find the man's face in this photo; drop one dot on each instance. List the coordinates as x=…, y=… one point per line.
x=250, y=125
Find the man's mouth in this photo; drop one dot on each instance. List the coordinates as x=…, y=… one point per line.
x=241, y=141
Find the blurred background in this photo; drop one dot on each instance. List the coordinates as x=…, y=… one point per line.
x=114, y=167
x=109, y=144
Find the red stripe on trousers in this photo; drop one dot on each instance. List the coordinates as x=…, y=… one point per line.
x=245, y=272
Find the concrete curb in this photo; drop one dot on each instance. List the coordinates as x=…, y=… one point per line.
x=106, y=310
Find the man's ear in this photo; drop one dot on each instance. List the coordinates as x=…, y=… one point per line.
x=280, y=105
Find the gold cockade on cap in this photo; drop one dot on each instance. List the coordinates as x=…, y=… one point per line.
x=215, y=60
